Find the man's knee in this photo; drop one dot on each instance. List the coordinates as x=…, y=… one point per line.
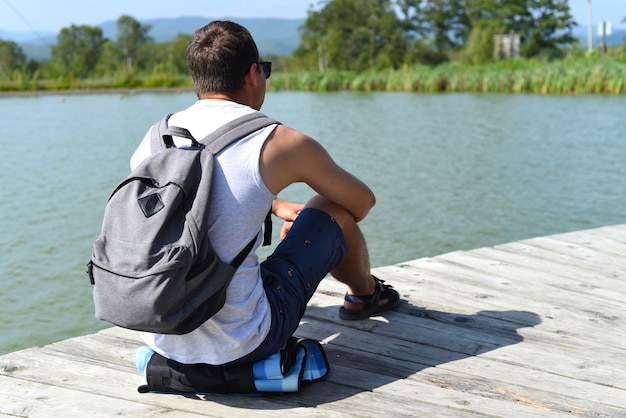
x=341, y=214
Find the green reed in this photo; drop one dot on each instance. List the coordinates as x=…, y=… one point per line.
x=582, y=75
x=574, y=76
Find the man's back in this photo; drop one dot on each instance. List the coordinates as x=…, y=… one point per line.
x=240, y=202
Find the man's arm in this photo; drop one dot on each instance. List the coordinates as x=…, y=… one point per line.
x=290, y=157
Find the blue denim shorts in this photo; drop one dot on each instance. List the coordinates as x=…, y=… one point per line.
x=314, y=245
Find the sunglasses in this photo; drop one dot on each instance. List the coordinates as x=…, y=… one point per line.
x=267, y=68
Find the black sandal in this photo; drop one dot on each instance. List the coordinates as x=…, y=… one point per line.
x=370, y=303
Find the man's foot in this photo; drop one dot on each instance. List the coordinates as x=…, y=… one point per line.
x=384, y=298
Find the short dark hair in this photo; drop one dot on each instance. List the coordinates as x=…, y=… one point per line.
x=219, y=56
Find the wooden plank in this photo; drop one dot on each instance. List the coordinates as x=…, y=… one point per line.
x=590, y=279
x=581, y=252
x=587, y=239
x=577, y=269
x=23, y=398
x=614, y=232
x=486, y=280
x=495, y=270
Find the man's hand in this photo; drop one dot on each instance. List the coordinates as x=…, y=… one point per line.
x=287, y=211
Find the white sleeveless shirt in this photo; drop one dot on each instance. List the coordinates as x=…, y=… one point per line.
x=241, y=204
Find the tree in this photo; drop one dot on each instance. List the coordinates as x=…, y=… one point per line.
x=313, y=50
x=479, y=47
x=436, y=29
x=446, y=23
x=544, y=26
x=550, y=29
x=352, y=35
x=77, y=51
x=170, y=57
x=12, y=59
x=109, y=59
x=178, y=53
x=505, y=15
x=132, y=37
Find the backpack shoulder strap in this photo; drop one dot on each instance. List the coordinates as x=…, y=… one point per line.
x=226, y=135
x=236, y=129
x=162, y=133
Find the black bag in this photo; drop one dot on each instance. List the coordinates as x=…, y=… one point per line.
x=300, y=362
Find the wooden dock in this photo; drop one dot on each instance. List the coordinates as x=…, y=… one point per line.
x=535, y=328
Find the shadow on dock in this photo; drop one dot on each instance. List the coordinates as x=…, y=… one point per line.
x=366, y=355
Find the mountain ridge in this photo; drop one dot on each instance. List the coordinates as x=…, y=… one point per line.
x=274, y=36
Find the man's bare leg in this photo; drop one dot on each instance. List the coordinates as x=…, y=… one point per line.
x=354, y=269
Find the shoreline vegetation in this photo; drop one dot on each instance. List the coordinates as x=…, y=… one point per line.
x=606, y=76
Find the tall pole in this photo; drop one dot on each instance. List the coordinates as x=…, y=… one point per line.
x=603, y=37
x=589, y=29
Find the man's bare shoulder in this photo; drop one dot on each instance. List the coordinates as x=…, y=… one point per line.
x=286, y=136
x=289, y=156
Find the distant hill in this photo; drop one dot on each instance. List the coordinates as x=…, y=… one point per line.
x=615, y=38
x=20, y=37
x=273, y=36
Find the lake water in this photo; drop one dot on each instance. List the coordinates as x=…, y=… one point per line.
x=450, y=172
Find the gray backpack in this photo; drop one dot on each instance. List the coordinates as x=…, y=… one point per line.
x=153, y=267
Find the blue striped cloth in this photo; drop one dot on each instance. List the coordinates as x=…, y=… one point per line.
x=310, y=364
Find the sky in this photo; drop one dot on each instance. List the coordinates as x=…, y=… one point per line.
x=45, y=17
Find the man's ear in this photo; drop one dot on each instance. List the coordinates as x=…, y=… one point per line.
x=251, y=78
